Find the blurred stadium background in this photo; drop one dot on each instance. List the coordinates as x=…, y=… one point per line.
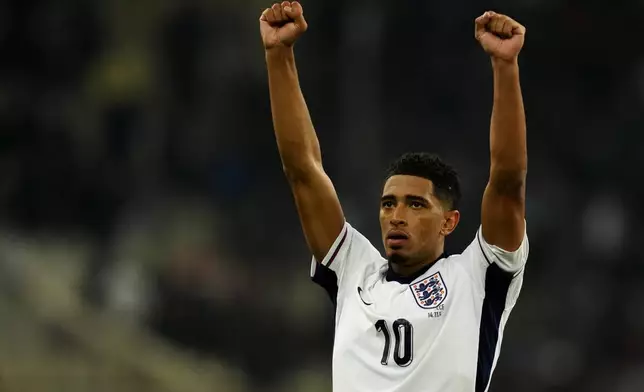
x=148, y=240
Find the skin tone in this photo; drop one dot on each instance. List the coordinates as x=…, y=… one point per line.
x=321, y=216
x=414, y=223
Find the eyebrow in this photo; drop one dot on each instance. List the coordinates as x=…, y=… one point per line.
x=417, y=198
x=407, y=197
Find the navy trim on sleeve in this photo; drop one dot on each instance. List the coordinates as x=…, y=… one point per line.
x=478, y=237
x=327, y=278
x=337, y=248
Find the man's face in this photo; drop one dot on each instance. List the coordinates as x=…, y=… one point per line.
x=413, y=220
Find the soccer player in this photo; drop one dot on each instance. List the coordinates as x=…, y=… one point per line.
x=415, y=320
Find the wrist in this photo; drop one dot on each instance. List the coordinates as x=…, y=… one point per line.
x=499, y=64
x=279, y=52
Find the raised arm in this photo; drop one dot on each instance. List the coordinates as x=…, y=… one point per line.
x=315, y=197
x=503, y=207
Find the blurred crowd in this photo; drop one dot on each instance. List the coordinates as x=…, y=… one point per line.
x=136, y=144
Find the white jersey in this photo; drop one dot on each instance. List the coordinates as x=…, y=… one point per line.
x=437, y=331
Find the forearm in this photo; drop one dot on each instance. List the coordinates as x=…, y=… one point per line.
x=296, y=139
x=508, y=149
x=503, y=207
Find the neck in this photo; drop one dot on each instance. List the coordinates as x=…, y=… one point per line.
x=411, y=269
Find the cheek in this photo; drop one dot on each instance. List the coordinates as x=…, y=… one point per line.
x=429, y=227
x=383, y=222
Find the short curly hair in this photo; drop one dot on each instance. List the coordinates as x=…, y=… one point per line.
x=447, y=186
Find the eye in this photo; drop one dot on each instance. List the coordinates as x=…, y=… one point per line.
x=416, y=204
x=387, y=204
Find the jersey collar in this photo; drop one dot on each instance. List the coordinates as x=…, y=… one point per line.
x=392, y=276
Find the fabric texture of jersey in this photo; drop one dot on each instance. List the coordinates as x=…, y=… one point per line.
x=442, y=332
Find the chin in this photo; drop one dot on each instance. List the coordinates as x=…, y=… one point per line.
x=396, y=257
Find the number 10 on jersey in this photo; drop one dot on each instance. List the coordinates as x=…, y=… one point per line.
x=404, y=337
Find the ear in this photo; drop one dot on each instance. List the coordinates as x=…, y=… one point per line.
x=450, y=221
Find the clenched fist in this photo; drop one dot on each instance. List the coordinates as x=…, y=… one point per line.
x=282, y=24
x=500, y=36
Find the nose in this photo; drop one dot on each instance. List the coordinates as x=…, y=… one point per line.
x=398, y=217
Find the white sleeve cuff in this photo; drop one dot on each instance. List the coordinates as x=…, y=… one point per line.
x=506, y=260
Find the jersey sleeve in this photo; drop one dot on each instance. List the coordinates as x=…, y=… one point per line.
x=347, y=256
x=511, y=262
x=480, y=255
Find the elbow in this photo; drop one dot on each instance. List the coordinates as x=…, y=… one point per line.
x=505, y=159
x=294, y=174
x=300, y=172
x=300, y=163
x=509, y=182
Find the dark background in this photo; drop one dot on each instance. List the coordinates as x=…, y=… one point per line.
x=148, y=239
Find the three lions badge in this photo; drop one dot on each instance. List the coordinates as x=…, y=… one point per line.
x=429, y=292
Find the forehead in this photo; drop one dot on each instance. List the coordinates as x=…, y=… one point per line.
x=401, y=185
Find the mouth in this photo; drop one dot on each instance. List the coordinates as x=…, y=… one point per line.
x=396, y=239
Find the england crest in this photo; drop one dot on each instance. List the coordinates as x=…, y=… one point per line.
x=429, y=292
